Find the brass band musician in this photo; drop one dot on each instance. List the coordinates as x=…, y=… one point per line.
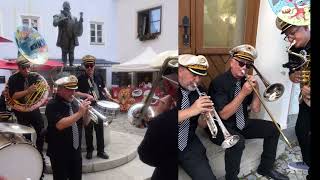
x=299, y=37
x=65, y=120
x=20, y=85
x=92, y=86
x=232, y=94
x=161, y=146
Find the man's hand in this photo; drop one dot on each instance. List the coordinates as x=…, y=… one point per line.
x=202, y=121
x=306, y=92
x=32, y=88
x=201, y=105
x=84, y=106
x=295, y=77
x=89, y=97
x=247, y=87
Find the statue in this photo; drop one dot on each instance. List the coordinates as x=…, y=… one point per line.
x=69, y=31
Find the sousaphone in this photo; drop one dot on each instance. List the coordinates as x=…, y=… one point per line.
x=296, y=12
x=33, y=47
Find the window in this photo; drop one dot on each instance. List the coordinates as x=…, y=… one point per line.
x=32, y=21
x=149, y=23
x=96, y=31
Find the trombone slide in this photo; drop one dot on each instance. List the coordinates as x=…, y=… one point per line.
x=274, y=122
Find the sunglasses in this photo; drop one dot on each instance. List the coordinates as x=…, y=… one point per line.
x=290, y=35
x=25, y=67
x=89, y=65
x=241, y=64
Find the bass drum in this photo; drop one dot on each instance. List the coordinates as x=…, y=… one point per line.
x=19, y=158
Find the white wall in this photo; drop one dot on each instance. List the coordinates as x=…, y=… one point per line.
x=7, y=74
x=271, y=55
x=128, y=45
x=100, y=10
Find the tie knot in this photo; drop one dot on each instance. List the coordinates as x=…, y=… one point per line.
x=238, y=83
x=185, y=92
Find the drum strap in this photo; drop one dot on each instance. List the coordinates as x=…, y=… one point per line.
x=94, y=89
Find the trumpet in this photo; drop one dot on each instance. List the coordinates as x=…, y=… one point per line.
x=229, y=140
x=94, y=114
x=275, y=123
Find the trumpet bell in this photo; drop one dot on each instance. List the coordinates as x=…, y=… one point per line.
x=230, y=141
x=31, y=44
x=134, y=114
x=273, y=92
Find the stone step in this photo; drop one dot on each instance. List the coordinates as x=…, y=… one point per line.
x=133, y=170
x=121, y=149
x=249, y=161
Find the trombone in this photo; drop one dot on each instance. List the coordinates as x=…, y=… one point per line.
x=271, y=92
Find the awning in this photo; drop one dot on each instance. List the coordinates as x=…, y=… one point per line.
x=2, y=39
x=147, y=61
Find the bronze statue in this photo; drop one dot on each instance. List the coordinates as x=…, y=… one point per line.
x=69, y=31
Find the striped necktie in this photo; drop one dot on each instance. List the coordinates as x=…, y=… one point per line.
x=75, y=132
x=184, y=126
x=240, y=122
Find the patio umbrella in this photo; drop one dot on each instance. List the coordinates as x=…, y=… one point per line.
x=2, y=39
x=50, y=64
x=12, y=65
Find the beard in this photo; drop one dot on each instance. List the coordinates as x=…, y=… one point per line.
x=191, y=88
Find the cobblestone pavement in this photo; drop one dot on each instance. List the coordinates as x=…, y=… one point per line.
x=121, y=124
x=281, y=165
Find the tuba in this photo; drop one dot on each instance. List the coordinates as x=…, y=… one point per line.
x=140, y=114
x=31, y=46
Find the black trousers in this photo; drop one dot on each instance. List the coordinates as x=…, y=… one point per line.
x=194, y=161
x=255, y=128
x=67, y=166
x=99, y=136
x=34, y=119
x=303, y=133
x=65, y=52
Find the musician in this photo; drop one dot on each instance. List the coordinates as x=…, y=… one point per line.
x=300, y=34
x=159, y=145
x=191, y=152
x=65, y=123
x=69, y=31
x=92, y=86
x=3, y=105
x=232, y=96
x=21, y=84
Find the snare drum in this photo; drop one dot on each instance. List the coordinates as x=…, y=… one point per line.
x=19, y=158
x=110, y=109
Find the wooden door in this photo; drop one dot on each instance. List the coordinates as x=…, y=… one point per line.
x=212, y=27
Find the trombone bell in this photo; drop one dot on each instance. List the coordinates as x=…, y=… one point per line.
x=273, y=92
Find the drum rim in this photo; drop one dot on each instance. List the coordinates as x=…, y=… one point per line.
x=109, y=102
x=26, y=142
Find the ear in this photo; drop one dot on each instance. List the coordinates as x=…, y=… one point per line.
x=232, y=62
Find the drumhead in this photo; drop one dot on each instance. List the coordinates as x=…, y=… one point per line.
x=20, y=161
x=108, y=105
